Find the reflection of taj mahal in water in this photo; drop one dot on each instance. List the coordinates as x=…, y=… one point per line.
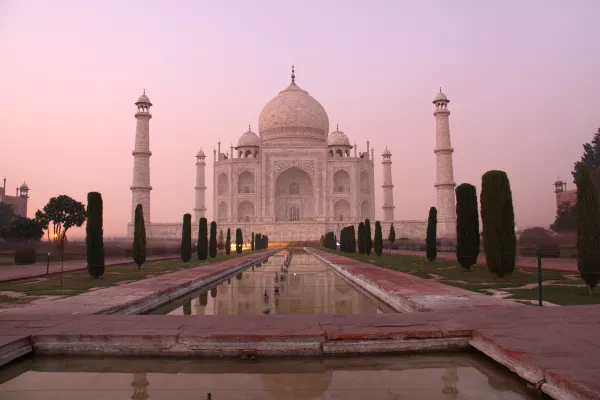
x=295, y=180
x=309, y=287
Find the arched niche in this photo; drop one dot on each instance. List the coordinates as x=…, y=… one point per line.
x=341, y=181
x=365, y=187
x=222, y=211
x=222, y=184
x=246, y=211
x=246, y=182
x=364, y=209
x=294, y=195
x=341, y=210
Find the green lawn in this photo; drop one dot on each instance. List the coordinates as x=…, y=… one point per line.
x=479, y=278
x=77, y=282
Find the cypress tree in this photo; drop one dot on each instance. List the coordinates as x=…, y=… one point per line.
x=94, y=241
x=213, y=292
x=266, y=240
x=186, y=238
x=139, y=237
x=252, y=244
x=361, y=238
x=588, y=229
x=352, y=235
x=258, y=241
x=228, y=242
x=431, y=238
x=212, y=246
x=498, y=223
x=204, y=299
x=238, y=240
x=378, y=245
x=202, y=239
x=368, y=240
x=221, y=241
x=343, y=236
x=392, y=235
x=467, y=225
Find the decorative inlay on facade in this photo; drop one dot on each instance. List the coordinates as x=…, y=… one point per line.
x=282, y=165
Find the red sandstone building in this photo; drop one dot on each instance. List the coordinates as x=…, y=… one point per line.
x=18, y=201
x=563, y=195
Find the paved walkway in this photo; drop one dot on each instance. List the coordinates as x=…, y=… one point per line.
x=15, y=272
x=549, y=264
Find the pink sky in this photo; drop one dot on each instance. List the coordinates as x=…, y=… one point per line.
x=522, y=77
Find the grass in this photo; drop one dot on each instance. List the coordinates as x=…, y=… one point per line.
x=479, y=278
x=77, y=282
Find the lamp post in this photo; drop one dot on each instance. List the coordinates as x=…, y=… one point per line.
x=48, y=263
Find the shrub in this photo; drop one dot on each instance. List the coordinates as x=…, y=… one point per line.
x=202, y=239
x=239, y=240
x=228, y=242
x=588, y=230
x=186, y=238
x=361, y=238
x=430, y=239
x=367, y=236
x=94, y=242
x=221, y=241
x=378, y=244
x=212, y=247
x=532, y=238
x=139, y=237
x=467, y=225
x=498, y=223
x=392, y=234
x=330, y=241
x=25, y=256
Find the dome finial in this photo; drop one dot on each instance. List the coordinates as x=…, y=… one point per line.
x=293, y=76
x=249, y=128
x=440, y=89
x=144, y=90
x=337, y=126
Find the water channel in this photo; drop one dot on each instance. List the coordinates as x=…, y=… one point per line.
x=306, y=286
x=445, y=376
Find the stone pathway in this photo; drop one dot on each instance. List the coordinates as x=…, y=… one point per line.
x=548, y=264
x=15, y=272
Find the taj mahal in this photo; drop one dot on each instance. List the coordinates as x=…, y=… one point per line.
x=295, y=180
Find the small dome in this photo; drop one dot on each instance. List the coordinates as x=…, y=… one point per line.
x=143, y=99
x=338, y=138
x=249, y=138
x=200, y=154
x=24, y=187
x=386, y=152
x=441, y=97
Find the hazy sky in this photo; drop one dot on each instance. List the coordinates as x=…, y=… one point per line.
x=522, y=76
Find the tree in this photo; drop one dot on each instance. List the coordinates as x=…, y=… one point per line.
x=361, y=238
x=343, y=235
x=566, y=218
x=239, y=240
x=202, y=249
x=265, y=241
x=378, y=244
x=588, y=230
x=590, y=157
x=467, y=226
x=258, y=241
x=221, y=242
x=63, y=213
x=228, y=242
x=22, y=229
x=6, y=214
x=322, y=241
x=367, y=235
x=94, y=231
x=212, y=246
x=352, y=239
x=431, y=238
x=139, y=237
x=392, y=234
x=252, y=242
x=186, y=238
x=498, y=223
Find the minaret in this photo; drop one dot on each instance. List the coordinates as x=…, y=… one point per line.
x=388, y=187
x=200, y=204
x=140, y=189
x=446, y=207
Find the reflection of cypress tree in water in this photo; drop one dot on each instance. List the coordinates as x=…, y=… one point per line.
x=239, y=276
x=187, y=308
x=204, y=299
x=140, y=384
x=209, y=396
x=213, y=292
x=450, y=380
x=229, y=281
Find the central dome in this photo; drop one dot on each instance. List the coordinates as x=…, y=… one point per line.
x=293, y=114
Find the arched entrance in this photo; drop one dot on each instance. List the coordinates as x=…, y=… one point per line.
x=294, y=196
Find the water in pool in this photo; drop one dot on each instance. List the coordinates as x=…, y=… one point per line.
x=307, y=286
x=431, y=377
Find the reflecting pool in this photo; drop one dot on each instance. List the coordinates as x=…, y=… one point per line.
x=446, y=376
x=306, y=286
